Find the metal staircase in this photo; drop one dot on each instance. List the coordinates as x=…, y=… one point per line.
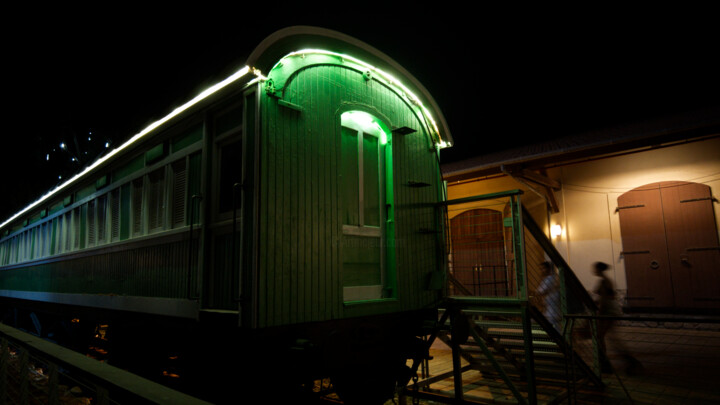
x=493, y=339
x=504, y=342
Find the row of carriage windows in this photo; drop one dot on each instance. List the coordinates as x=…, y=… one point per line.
x=153, y=202
x=150, y=193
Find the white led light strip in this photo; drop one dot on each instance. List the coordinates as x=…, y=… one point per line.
x=386, y=76
x=215, y=88
x=232, y=78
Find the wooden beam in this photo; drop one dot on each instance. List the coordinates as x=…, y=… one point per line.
x=539, y=179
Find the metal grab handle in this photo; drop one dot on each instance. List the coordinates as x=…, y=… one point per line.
x=237, y=297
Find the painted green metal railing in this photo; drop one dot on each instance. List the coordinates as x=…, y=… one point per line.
x=525, y=249
x=496, y=229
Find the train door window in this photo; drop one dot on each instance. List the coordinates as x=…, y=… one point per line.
x=366, y=206
x=230, y=156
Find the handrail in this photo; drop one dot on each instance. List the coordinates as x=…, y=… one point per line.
x=490, y=196
x=644, y=318
x=112, y=385
x=557, y=258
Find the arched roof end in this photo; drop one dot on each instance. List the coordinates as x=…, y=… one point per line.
x=295, y=38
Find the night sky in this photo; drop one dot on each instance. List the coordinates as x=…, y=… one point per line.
x=501, y=77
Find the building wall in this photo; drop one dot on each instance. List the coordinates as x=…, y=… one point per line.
x=588, y=199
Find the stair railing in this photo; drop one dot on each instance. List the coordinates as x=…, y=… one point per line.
x=573, y=298
x=526, y=252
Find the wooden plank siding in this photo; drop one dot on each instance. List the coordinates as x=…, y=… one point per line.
x=299, y=266
x=158, y=270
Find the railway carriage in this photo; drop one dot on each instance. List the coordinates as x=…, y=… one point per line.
x=293, y=205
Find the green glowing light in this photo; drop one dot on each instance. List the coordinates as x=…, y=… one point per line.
x=376, y=73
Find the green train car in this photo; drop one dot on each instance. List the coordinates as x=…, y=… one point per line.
x=292, y=206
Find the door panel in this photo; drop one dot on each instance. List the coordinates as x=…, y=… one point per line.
x=647, y=267
x=692, y=244
x=478, y=252
x=670, y=246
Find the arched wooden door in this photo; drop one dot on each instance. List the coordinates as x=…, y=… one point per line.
x=478, y=252
x=670, y=246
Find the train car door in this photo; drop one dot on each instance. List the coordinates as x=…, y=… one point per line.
x=478, y=251
x=670, y=246
x=221, y=278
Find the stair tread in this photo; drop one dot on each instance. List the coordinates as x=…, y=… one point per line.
x=537, y=334
x=520, y=342
x=497, y=312
x=504, y=324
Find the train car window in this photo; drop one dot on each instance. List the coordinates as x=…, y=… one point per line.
x=28, y=245
x=60, y=235
x=54, y=236
x=14, y=248
x=32, y=235
x=115, y=215
x=363, y=148
x=42, y=240
x=156, y=200
x=83, y=215
x=137, y=206
x=350, y=174
x=101, y=219
x=47, y=238
x=125, y=192
x=76, y=229
x=194, y=175
x=91, y=236
x=4, y=252
x=179, y=192
x=21, y=247
x=188, y=138
x=229, y=121
x=371, y=179
x=67, y=234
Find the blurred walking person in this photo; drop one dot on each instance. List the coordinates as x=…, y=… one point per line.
x=549, y=289
x=608, y=306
